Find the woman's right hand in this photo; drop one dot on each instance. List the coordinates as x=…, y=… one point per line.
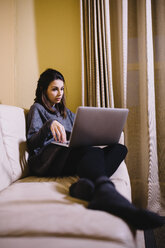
x=58, y=131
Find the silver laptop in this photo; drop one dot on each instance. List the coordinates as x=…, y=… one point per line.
x=95, y=126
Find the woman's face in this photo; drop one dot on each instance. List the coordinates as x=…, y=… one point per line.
x=55, y=91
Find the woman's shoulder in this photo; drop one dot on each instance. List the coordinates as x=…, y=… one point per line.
x=37, y=107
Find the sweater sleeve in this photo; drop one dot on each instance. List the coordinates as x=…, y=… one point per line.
x=38, y=129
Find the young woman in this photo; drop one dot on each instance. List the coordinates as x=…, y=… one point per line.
x=48, y=120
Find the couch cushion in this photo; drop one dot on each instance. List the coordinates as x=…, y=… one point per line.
x=5, y=169
x=42, y=207
x=13, y=135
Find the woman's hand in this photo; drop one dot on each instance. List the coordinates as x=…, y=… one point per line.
x=58, y=131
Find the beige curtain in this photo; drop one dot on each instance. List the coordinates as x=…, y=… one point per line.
x=123, y=60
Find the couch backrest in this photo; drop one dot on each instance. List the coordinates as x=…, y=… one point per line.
x=13, y=153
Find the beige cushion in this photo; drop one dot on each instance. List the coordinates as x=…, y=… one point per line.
x=43, y=207
x=13, y=162
x=5, y=169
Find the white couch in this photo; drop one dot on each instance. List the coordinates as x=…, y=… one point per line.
x=39, y=211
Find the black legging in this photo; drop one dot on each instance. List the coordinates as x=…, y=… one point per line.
x=88, y=162
x=93, y=162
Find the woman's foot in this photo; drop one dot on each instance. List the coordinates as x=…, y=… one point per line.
x=147, y=220
x=83, y=189
x=106, y=198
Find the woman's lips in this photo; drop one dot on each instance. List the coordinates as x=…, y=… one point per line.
x=58, y=99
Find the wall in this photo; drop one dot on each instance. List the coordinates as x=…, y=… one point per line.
x=26, y=57
x=7, y=52
x=38, y=34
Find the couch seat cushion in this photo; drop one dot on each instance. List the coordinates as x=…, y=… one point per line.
x=42, y=207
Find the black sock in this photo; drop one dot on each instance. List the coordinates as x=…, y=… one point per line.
x=83, y=189
x=106, y=198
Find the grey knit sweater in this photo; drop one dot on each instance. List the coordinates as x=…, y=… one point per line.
x=38, y=127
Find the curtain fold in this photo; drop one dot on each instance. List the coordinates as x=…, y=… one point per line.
x=153, y=185
x=158, y=17
x=96, y=54
x=123, y=65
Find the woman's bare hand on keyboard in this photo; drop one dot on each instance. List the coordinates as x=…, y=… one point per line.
x=58, y=131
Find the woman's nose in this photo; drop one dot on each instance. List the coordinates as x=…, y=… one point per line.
x=59, y=93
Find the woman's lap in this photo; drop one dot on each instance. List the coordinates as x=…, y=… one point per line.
x=92, y=162
x=89, y=162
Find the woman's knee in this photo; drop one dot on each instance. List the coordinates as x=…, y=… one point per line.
x=122, y=148
x=118, y=148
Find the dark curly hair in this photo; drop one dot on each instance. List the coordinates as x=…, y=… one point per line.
x=45, y=79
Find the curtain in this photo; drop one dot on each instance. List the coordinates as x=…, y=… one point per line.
x=123, y=60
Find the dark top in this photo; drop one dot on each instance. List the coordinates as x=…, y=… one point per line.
x=38, y=127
